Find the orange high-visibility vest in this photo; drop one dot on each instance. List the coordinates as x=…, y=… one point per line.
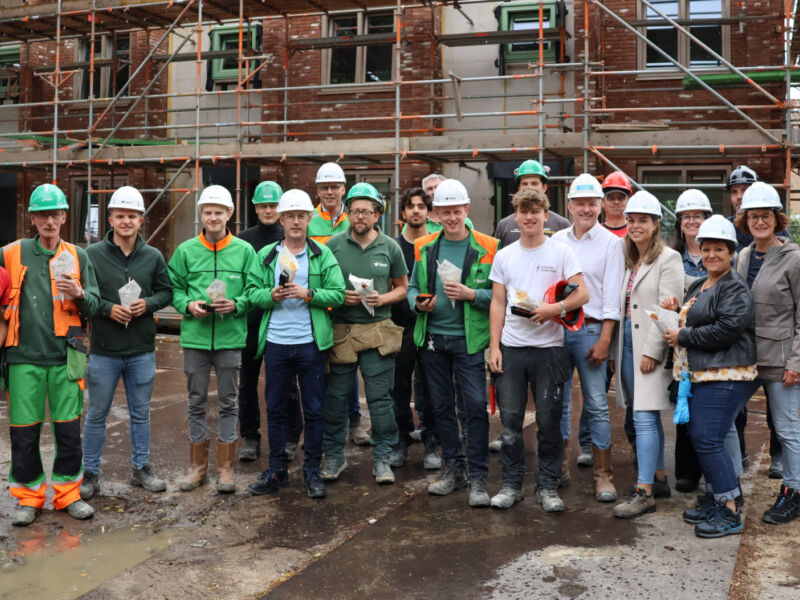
x=65, y=312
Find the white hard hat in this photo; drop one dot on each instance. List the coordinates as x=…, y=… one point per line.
x=585, y=186
x=761, y=195
x=127, y=197
x=330, y=172
x=716, y=227
x=645, y=203
x=216, y=194
x=692, y=199
x=451, y=192
x=294, y=200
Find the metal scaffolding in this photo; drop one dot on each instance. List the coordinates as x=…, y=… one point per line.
x=396, y=138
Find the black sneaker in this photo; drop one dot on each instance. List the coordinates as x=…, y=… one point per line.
x=313, y=485
x=720, y=521
x=700, y=512
x=661, y=488
x=786, y=507
x=268, y=482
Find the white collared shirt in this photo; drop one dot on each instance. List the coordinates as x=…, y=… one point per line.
x=602, y=259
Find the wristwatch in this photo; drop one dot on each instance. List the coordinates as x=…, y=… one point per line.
x=563, y=310
x=309, y=295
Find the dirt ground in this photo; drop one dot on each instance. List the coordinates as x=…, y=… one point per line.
x=370, y=541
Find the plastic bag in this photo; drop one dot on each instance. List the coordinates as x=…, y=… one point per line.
x=287, y=264
x=448, y=273
x=664, y=319
x=216, y=291
x=129, y=293
x=681, y=414
x=63, y=264
x=363, y=287
x=522, y=299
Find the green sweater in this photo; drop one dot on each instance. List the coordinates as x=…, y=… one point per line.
x=146, y=266
x=192, y=268
x=324, y=277
x=38, y=345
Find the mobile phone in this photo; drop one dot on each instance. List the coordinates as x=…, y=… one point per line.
x=424, y=297
x=283, y=279
x=207, y=307
x=521, y=312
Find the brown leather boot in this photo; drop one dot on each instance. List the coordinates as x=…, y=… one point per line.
x=198, y=467
x=603, y=478
x=563, y=481
x=225, y=456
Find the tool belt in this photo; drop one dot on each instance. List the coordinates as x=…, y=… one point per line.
x=351, y=338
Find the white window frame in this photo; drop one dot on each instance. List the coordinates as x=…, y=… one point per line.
x=683, y=45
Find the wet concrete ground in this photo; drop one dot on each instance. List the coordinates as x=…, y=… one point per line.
x=366, y=541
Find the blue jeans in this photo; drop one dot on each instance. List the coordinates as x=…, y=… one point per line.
x=593, y=386
x=450, y=360
x=138, y=373
x=712, y=409
x=286, y=364
x=784, y=406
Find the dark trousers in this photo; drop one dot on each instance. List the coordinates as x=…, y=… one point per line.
x=408, y=371
x=447, y=361
x=286, y=365
x=687, y=465
x=546, y=371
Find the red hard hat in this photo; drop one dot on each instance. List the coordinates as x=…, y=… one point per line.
x=617, y=182
x=556, y=293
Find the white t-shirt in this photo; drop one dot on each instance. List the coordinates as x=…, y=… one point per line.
x=534, y=270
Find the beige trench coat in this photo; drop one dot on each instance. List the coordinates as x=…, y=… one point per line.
x=662, y=278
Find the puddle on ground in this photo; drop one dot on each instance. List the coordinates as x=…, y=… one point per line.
x=68, y=565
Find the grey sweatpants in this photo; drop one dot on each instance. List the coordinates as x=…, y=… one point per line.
x=197, y=366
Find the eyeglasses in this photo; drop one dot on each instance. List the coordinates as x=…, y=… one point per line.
x=361, y=212
x=330, y=187
x=697, y=218
x=766, y=217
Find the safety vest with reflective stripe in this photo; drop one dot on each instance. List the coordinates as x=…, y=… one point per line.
x=65, y=312
x=322, y=227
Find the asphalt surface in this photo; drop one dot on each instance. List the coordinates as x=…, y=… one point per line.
x=370, y=541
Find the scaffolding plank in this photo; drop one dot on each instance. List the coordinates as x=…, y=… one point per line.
x=481, y=38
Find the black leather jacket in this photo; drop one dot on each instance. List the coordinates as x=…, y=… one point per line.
x=720, y=325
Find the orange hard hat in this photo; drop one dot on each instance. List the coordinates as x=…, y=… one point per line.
x=617, y=182
x=556, y=293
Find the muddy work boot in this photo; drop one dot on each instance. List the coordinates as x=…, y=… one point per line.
x=198, y=467
x=478, y=496
x=431, y=459
x=268, y=482
x=383, y=472
x=250, y=451
x=604, y=490
x=356, y=434
x=313, y=485
x=399, y=454
x=507, y=497
x=226, y=453
x=586, y=457
x=145, y=478
x=454, y=478
x=549, y=500
x=332, y=468
x=24, y=516
x=637, y=502
x=661, y=488
x=90, y=485
x=775, y=470
x=80, y=510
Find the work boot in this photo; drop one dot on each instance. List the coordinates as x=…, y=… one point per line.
x=776, y=467
x=720, y=521
x=80, y=510
x=382, y=472
x=251, y=450
x=564, y=481
x=356, y=434
x=431, y=459
x=24, y=516
x=268, y=482
x=399, y=454
x=637, y=502
x=604, y=490
x=145, y=478
x=225, y=455
x=454, y=478
x=507, y=497
x=685, y=485
x=332, y=468
x=478, y=496
x=198, y=467
x=495, y=445
x=586, y=457
x=661, y=488
x=549, y=500
x=291, y=451
x=313, y=485
x=786, y=507
x=90, y=485
x=700, y=512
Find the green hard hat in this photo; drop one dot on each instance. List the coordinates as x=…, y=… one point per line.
x=267, y=192
x=531, y=167
x=47, y=197
x=365, y=191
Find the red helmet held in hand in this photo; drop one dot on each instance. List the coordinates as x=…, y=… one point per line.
x=573, y=320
